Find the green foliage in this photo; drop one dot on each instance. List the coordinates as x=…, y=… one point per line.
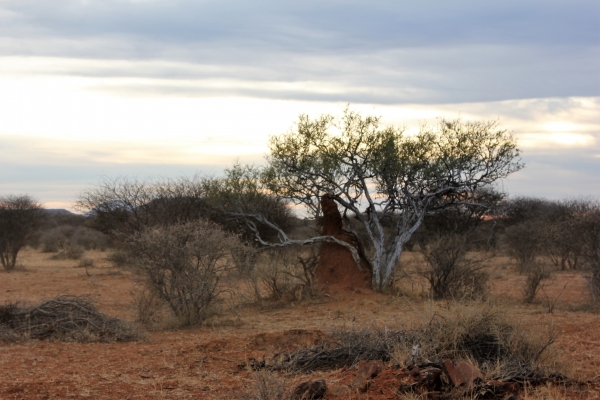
x=378, y=173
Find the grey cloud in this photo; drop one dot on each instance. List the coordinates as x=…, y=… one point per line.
x=60, y=183
x=317, y=24
x=381, y=52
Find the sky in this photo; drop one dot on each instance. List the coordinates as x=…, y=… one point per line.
x=166, y=88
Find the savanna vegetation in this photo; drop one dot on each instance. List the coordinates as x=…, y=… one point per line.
x=225, y=262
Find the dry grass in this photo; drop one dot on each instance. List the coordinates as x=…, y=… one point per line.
x=480, y=333
x=202, y=362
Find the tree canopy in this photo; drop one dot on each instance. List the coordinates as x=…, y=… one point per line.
x=378, y=172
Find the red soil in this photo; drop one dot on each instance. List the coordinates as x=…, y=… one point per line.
x=202, y=362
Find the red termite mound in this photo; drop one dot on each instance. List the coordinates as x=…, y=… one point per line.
x=336, y=265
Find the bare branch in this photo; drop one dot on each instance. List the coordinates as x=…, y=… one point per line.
x=284, y=240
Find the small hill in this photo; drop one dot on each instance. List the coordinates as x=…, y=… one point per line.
x=58, y=211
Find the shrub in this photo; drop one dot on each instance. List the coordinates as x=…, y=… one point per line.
x=90, y=239
x=20, y=218
x=537, y=273
x=125, y=206
x=119, y=258
x=449, y=270
x=286, y=273
x=590, y=237
x=85, y=263
x=524, y=243
x=55, y=239
x=184, y=264
x=69, y=252
x=149, y=306
x=267, y=386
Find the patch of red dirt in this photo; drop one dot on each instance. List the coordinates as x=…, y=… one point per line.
x=203, y=362
x=288, y=341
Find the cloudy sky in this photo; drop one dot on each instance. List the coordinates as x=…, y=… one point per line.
x=93, y=88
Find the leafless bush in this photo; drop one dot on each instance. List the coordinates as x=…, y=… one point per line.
x=184, y=265
x=119, y=258
x=267, y=386
x=245, y=258
x=55, y=239
x=451, y=273
x=149, y=306
x=537, y=274
x=125, y=206
x=90, y=239
x=66, y=318
x=286, y=272
x=20, y=218
x=85, y=263
x=69, y=252
x=524, y=243
x=590, y=236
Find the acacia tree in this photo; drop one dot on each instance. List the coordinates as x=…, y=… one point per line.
x=380, y=173
x=20, y=217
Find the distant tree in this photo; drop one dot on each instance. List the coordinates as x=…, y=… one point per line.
x=20, y=218
x=379, y=173
x=590, y=237
x=534, y=226
x=126, y=206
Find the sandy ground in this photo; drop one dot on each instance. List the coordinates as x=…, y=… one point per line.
x=202, y=362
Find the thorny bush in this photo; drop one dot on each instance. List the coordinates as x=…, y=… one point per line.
x=184, y=264
x=450, y=271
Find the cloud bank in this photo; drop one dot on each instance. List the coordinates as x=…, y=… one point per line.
x=171, y=87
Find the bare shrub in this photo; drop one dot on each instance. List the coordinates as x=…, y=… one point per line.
x=537, y=274
x=245, y=258
x=85, y=263
x=119, y=258
x=69, y=252
x=524, y=243
x=53, y=240
x=184, y=265
x=590, y=236
x=20, y=218
x=271, y=273
x=125, y=206
x=66, y=318
x=451, y=273
x=149, y=307
x=266, y=386
x=286, y=273
x=90, y=239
